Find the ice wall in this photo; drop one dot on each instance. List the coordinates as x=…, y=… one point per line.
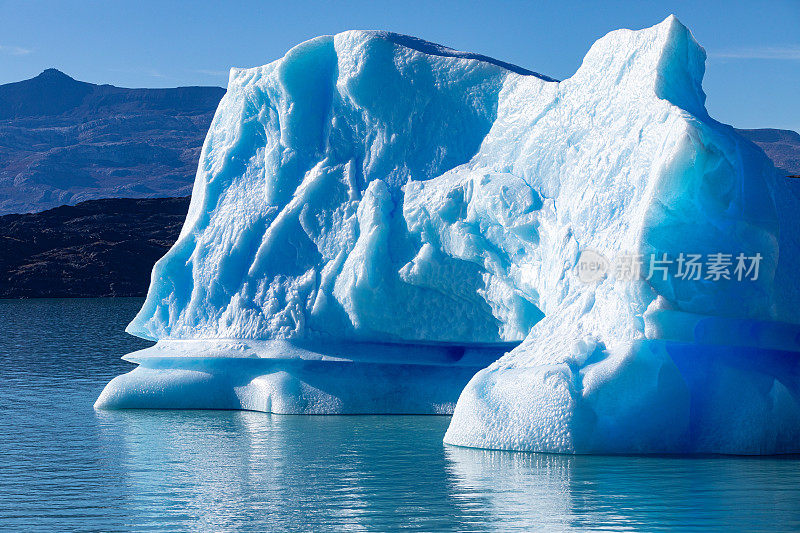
x=371, y=188
x=296, y=253
x=296, y=225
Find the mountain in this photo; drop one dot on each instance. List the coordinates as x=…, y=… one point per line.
x=63, y=141
x=96, y=248
x=781, y=146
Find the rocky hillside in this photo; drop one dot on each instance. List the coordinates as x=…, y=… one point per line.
x=63, y=141
x=96, y=248
x=781, y=146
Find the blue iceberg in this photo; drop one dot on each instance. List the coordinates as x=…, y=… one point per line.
x=385, y=225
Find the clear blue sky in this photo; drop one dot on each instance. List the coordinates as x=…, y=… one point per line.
x=752, y=77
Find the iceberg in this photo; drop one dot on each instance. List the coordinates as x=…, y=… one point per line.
x=632, y=166
x=384, y=225
x=295, y=285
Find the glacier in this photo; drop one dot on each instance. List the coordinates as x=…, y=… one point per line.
x=384, y=225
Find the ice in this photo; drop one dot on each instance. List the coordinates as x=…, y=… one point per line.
x=298, y=377
x=376, y=218
x=295, y=233
x=630, y=163
x=296, y=227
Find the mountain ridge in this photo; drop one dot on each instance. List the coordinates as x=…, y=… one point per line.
x=63, y=141
x=53, y=93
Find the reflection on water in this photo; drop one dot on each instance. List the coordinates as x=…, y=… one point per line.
x=227, y=469
x=631, y=493
x=65, y=466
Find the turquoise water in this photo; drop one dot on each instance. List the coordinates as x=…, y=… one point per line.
x=65, y=467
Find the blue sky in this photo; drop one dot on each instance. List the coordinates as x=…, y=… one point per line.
x=752, y=76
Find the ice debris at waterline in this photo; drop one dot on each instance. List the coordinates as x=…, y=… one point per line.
x=375, y=218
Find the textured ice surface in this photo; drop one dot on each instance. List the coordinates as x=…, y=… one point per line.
x=296, y=226
x=298, y=377
x=630, y=162
x=371, y=188
x=296, y=234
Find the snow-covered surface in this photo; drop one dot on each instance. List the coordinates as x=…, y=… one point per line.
x=373, y=188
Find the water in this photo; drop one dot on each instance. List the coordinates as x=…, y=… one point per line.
x=65, y=467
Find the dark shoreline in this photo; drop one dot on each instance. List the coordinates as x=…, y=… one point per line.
x=97, y=248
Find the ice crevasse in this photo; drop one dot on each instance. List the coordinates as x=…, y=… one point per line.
x=377, y=219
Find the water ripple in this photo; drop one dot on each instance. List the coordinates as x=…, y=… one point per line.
x=64, y=466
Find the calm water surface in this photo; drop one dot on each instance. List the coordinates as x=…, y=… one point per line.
x=64, y=466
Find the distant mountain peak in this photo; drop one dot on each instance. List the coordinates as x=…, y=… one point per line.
x=54, y=73
x=54, y=79
x=53, y=93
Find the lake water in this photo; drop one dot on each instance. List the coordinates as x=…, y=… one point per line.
x=65, y=467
